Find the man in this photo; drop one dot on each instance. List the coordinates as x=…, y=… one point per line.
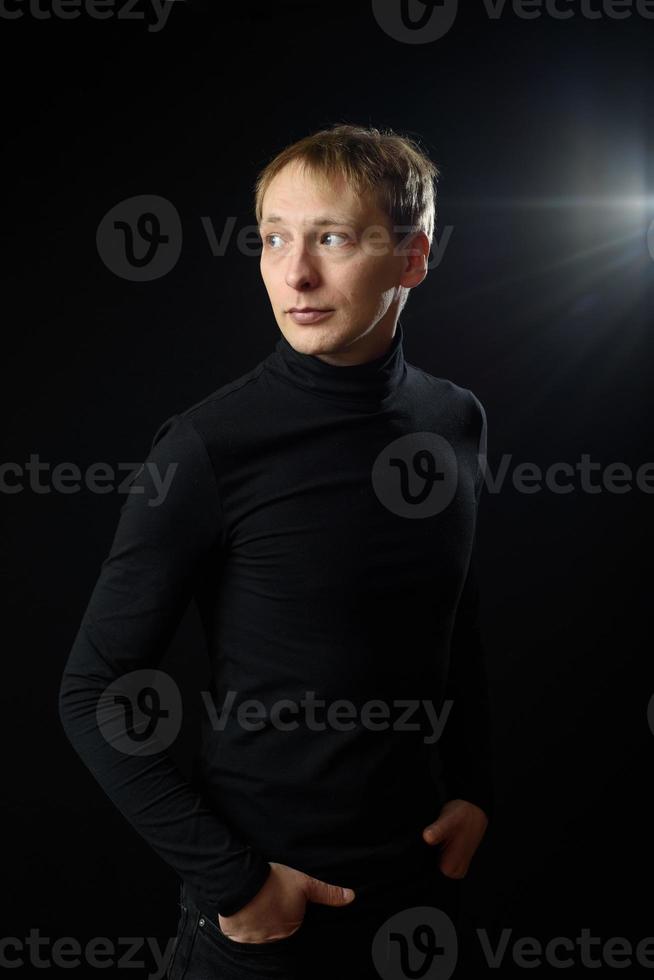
x=322, y=514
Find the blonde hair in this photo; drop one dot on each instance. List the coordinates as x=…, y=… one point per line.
x=390, y=167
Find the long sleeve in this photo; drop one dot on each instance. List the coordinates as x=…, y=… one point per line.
x=170, y=525
x=465, y=746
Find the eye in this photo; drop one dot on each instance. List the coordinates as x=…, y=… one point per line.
x=268, y=239
x=333, y=234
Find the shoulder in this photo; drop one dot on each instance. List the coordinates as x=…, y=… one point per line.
x=455, y=400
x=212, y=420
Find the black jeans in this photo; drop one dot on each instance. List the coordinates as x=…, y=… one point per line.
x=334, y=943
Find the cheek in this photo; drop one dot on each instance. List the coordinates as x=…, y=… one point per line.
x=269, y=279
x=363, y=281
x=375, y=291
x=380, y=274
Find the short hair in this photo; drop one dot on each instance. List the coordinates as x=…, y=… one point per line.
x=391, y=167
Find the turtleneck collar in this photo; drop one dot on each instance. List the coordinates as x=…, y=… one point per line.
x=359, y=385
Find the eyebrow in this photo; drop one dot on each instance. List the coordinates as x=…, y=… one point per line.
x=321, y=219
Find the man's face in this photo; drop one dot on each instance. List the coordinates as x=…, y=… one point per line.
x=349, y=264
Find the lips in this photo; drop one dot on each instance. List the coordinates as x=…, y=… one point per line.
x=308, y=315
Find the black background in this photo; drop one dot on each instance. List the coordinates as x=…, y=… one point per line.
x=542, y=305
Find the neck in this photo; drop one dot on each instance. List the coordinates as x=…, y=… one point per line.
x=364, y=385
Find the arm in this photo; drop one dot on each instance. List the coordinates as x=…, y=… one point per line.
x=164, y=535
x=465, y=746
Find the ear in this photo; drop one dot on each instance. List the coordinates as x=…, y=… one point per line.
x=415, y=252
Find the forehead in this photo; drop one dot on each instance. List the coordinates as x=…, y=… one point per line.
x=294, y=195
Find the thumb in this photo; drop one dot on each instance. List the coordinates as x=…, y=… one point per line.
x=324, y=894
x=436, y=832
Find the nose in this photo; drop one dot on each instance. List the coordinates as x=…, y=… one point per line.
x=301, y=268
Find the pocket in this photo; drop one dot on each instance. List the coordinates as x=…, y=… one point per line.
x=212, y=930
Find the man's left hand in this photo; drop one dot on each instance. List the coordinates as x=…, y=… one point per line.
x=459, y=828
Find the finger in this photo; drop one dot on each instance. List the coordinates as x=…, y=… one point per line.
x=454, y=861
x=325, y=894
x=435, y=833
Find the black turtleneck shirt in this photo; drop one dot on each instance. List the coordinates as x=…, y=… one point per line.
x=323, y=519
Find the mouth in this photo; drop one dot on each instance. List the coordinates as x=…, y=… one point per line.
x=308, y=314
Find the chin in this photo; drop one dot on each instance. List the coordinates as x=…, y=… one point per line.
x=319, y=338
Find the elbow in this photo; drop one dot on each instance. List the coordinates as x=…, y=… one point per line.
x=69, y=705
